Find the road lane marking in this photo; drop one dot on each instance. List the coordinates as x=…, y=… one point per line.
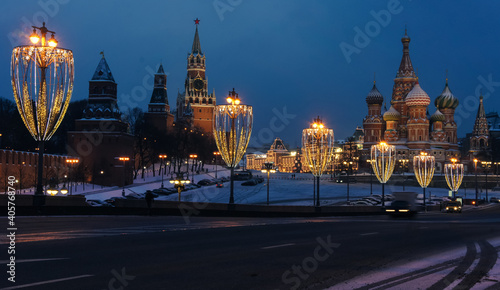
x=277, y=246
x=34, y=260
x=47, y=282
x=369, y=234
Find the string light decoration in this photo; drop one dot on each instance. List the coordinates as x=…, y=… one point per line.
x=42, y=80
x=423, y=167
x=232, y=128
x=317, y=145
x=454, y=174
x=383, y=158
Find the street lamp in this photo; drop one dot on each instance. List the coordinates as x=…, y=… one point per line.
x=317, y=145
x=454, y=174
x=268, y=168
x=42, y=81
x=383, y=161
x=486, y=166
x=124, y=159
x=193, y=157
x=423, y=167
x=232, y=129
x=216, y=153
x=179, y=183
x=71, y=162
x=496, y=172
x=52, y=191
x=475, y=173
x=371, y=175
x=162, y=156
x=404, y=163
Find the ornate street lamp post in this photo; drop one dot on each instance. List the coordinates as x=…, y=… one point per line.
x=42, y=81
x=124, y=159
x=486, y=165
x=232, y=130
x=317, y=145
x=383, y=161
x=71, y=162
x=371, y=176
x=268, y=168
x=475, y=173
x=162, y=156
x=179, y=183
x=423, y=167
x=193, y=157
x=216, y=154
x=454, y=174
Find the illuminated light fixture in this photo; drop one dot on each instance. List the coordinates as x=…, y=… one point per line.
x=317, y=145
x=42, y=83
x=454, y=174
x=232, y=128
x=179, y=183
x=423, y=167
x=64, y=190
x=383, y=158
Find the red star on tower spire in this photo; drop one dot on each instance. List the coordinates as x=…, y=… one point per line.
x=196, y=21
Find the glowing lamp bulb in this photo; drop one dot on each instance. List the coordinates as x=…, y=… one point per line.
x=315, y=125
x=34, y=38
x=229, y=100
x=52, y=41
x=237, y=101
x=321, y=126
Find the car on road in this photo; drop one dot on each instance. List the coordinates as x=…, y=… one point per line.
x=401, y=208
x=345, y=178
x=164, y=190
x=98, y=203
x=494, y=199
x=219, y=185
x=251, y=182
x=453, y=206
x=205, y=182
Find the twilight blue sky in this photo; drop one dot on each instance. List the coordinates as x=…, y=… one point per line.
x=280, y=55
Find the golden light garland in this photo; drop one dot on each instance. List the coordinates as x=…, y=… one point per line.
x=317, y=146
x=232, y=128
x=383, y=158
x=42, y=81
x=454, y=174
x=423, y=167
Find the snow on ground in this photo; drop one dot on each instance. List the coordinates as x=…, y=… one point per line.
x=282, y=189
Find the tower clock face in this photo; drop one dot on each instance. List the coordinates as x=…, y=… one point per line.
x=198, y=84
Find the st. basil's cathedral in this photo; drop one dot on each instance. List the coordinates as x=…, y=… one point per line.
x=406, y=123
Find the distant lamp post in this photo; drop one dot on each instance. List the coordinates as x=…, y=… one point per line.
x=475, y=173
x=193, y=158
x=64, y=190
x=52, y=191
x=486, y=165
x=71, y=162
x=423, y=167
x=162, y=156
x=454, y=174
x=216, y=154
x=268, y=168
x=371, y=176
x=232, y=130
x=42, y=81
x=123, y=159
x=179, y=183
x=317, y=145
x=383, y=158
x=496, y=172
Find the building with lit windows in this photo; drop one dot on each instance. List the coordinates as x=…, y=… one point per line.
x=283, y=160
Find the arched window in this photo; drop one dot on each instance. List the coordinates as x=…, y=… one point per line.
x=210, y=101
x=481, y=143
x=197, y=101
x=204, y=101
x=191, y=100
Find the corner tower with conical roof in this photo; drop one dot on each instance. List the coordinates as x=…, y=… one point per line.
x=101, y=136
x=447, y=103
x=403, y=84
x=196, y=88
x=158, y=114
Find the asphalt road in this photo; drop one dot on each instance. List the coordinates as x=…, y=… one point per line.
x=142, y=252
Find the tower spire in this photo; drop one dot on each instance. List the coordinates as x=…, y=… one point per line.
x=405, y=68
x=196, y=42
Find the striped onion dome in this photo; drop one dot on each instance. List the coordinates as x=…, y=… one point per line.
x=417, y=97
x=446, y=100
x=374, y=96
x=392, y=115
x=437, y=116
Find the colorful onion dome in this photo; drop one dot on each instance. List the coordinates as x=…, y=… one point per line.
x=374, y=96
x=392, y=115
x=437, y=116
x=446, y=100
x=417, y=97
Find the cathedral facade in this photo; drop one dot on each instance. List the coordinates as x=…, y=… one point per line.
x=406, y=123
